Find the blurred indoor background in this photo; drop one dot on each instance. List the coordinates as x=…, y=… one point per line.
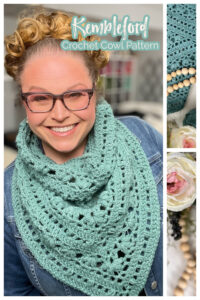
x=132, y=80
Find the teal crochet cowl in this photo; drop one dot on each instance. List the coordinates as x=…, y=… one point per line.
x=181, y=50
x=93, y=222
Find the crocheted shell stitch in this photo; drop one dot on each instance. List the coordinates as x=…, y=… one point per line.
x=181, y=49
x=94, y=221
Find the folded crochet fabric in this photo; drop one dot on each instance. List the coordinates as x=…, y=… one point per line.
x=181, y=50
x=190, y=118
x=94, y=221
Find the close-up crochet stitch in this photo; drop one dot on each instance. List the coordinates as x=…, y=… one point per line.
x=94, y=221
x=190, y=118
x=181, y=55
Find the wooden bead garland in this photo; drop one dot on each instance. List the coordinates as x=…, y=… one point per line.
x=180, y=85
x=191, y=262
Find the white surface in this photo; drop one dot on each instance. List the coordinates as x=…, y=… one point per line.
x=176, y=264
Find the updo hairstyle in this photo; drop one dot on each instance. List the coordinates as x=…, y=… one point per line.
x=47, y=31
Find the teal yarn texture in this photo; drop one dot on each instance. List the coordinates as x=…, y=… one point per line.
x=190, y=118
x=93, y=222
x=181, y=49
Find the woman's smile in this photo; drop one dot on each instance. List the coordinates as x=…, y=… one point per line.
x=63, y=130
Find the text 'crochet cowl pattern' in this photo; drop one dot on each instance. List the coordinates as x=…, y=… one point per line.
x=181, y=50
x=94, y=221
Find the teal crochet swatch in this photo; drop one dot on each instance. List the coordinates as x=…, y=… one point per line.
x=190, y=118
x=94, y=221
x=181, y=49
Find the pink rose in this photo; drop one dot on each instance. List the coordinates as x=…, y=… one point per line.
x=175, y=183
x=189, y=143
x=181, y=181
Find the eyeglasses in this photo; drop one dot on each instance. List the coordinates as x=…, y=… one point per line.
x=73, y=100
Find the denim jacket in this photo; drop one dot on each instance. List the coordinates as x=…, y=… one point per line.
x=25, y=277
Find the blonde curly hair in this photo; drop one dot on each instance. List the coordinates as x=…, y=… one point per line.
x=41, y=31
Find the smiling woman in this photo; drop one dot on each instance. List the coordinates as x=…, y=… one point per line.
x=63, y=132
x=83, y=198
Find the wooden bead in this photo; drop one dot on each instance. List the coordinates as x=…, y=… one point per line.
x=180, y=85
x=191, y=263
x=189, y=270
x=178, y=292
x=170, y=89
x=192, y=71
x=186, y=275
x=192, y=80
x=169, y=77
x=185, y=71
x=181, y=221
x=182, y=283
x=187, y=255
x=194, y=275
x=178, y=72
x=185, y=247
x=184, y=238
x=173, y=74
x=186, y=82
x=183, y=229
x=175, y=87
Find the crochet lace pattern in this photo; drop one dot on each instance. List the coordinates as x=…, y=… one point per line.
x=94, y=221
x=181, y=49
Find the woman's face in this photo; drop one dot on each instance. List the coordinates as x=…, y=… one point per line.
x=57, y=73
